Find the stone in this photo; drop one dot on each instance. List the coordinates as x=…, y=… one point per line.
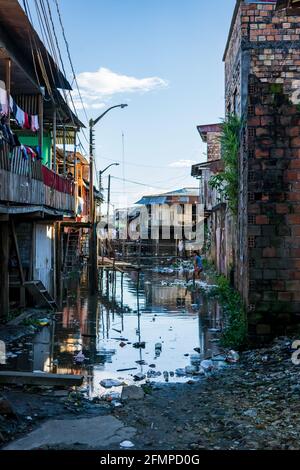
x=132, y=392
x=139, y=376
x=109, y=383
x=126, y=444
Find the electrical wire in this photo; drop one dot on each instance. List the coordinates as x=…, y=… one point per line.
x=69, y=56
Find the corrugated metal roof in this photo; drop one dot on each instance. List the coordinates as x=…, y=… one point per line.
x=152, y=200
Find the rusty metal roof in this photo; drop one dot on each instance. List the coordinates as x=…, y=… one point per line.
x=207, y=128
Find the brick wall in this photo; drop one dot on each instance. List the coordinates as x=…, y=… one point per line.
x=262, y=67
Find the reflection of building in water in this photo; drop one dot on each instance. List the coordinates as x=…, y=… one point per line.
x=210, y=320
x=2, y=353
x=163, y=296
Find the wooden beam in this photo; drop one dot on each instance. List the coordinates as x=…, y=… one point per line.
x=8, y=85
x=4, y=277
x=54, y=137
x=41, y=124
x=38, y=378
x=15, y=239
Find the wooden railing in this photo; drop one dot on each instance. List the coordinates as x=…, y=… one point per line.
x=15, y=162
x=27, y=181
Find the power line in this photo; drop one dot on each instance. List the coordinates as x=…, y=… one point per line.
x=143, y=165
x=136, y=182
x=70, y=59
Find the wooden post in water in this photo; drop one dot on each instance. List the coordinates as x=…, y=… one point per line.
x=4, y=277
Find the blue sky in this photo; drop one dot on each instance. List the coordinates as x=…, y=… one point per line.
x=163, y=58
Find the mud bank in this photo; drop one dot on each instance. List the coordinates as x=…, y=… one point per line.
x=251, y=405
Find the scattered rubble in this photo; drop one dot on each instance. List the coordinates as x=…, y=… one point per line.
x=132, y=392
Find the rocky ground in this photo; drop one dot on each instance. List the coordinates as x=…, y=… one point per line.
x=251, y=405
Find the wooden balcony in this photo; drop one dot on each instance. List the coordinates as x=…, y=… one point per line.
x=27, y=182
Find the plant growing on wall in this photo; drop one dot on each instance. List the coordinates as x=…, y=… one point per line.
x=226, y=183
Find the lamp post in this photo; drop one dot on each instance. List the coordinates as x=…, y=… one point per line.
x=93, y=255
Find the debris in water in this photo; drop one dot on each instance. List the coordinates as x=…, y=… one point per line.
x=109, y=383
x=141, y=344
x=80, y=357
x=118, y=331
x=180, y=372
x=125, y=370
x=138, y=377
x=207, y=365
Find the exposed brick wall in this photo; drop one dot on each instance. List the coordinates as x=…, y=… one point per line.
x=263, y=56
x=213, y=146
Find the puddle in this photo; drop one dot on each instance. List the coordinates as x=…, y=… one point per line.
x=152, y=308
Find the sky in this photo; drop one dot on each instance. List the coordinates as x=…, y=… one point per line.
x=164, y=59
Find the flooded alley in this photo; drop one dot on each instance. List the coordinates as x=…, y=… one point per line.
x=145, y=325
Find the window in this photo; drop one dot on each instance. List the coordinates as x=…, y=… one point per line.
x=235, y=102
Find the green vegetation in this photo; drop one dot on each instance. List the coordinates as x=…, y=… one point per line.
x=235, y=332
x=227, y=182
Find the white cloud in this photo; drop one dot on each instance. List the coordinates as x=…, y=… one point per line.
x=98, y=87
x=182, y=164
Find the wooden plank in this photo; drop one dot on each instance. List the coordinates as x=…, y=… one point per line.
x=4, y=278
x=13, y=229
x=20, y=318
x=39, y=378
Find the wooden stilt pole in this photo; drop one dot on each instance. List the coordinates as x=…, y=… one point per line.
x=4, y=277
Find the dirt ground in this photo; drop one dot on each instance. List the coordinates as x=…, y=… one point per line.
x=252, y=405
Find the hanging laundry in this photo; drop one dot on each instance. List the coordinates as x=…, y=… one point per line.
x=35, y=123
x=24, y=152
x=3, y=99
x=26, y=121
x=37, y=150
x=31, y=153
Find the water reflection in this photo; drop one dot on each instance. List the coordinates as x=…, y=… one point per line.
x=131, y=308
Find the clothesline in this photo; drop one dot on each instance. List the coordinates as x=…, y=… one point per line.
x=23, y=119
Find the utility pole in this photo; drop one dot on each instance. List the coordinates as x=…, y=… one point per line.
x=93, y=255
x=108, y=199
x=93, y=261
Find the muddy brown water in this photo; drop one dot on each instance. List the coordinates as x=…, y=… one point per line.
x=149, y=307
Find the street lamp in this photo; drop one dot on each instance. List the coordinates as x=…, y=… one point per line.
x=93, y=261
x=103, y=171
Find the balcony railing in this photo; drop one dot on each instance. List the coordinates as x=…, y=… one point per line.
x=28, y=181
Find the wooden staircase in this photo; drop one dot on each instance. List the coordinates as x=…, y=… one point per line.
x=71, y=260
x=40, y=294
x=84, y=243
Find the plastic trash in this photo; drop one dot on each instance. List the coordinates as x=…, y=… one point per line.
x=126, y=445
x=191, y=370
x=138, y=345
x=195, y=359
x=109, y=383
x=80, y=357
x=138, y=377
x=207, y=365
x=233, y=357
